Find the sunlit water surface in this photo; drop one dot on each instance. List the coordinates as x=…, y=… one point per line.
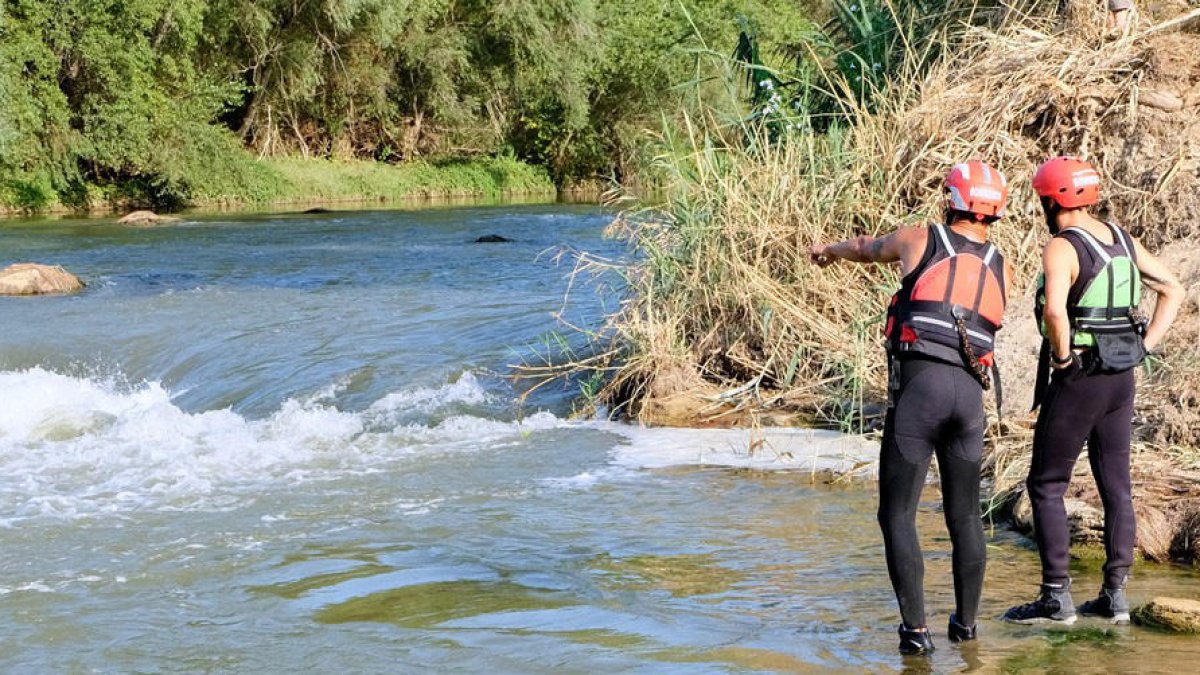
x=271, y=444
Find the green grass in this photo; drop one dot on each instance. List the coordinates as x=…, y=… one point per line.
x=322, y=180
x=233, y=178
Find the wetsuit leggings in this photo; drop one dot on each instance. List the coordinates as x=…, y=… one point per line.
x=1098, y=409
x=938, y=408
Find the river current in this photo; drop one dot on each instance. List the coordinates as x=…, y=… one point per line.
x=285, y=443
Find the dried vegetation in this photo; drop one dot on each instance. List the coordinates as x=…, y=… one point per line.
x=727, y=322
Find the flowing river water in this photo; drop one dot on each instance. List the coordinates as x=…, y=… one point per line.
x=286, y=443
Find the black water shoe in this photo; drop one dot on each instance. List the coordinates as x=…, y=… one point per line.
x=958, y=632
x=915, y=640
x=1052, y=606
x=1110, y=604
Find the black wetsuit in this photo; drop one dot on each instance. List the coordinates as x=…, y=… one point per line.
x=938, y=408
x=1079, y=407
x=1082, y=403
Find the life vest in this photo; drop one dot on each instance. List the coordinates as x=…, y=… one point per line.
x=1107, y=291
x=1101, y=306
x=958, y=281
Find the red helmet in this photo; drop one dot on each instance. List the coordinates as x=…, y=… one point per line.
x=975, y=187
x=1070, y=182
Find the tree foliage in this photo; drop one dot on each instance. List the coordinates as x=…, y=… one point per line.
x=151, y=99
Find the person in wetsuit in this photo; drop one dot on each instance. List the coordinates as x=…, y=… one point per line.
x=940, y=330
x=1094, y=338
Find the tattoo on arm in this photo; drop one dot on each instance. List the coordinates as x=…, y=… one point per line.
x=875, y=249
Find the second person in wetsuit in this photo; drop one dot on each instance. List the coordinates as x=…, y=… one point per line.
x=1094, y=338
x=940, y=331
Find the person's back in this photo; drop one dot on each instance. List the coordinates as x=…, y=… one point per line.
x=941, y=326
x=1088, y=306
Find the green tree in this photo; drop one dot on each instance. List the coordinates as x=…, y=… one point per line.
x=149, y=100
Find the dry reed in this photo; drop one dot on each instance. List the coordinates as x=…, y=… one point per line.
x=724, y=301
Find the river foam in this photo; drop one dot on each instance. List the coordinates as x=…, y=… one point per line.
x=76, y=446
x=772, y=449
x=81, y=446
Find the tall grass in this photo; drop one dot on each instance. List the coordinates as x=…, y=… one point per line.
x=723, y=300
x=725, y=294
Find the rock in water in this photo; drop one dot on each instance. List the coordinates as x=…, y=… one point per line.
x=147, y=218
x=1173, y=614
x=34, y=279
x=492, y=239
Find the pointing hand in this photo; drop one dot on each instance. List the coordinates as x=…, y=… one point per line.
x=817, y=254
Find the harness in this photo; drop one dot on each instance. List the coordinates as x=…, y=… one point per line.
x=950, y=307
x=1102, y=305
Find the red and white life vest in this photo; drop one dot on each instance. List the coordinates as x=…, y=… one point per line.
x=956, y=280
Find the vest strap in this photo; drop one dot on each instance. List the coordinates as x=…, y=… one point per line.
x=1091, y=242
x=1099, y=312
x=942, y=309
x=945, y=238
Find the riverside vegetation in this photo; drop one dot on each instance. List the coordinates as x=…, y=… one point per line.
x=726, y=322
x=166, y=103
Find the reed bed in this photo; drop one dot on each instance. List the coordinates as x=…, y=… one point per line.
x=723, y=300
x=725, y=321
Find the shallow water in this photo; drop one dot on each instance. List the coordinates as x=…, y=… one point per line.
x=279, y=443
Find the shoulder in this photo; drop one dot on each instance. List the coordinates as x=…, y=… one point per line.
x=1060, y=242
x=907, y=236
x=1059, y=250
x=1138, y=248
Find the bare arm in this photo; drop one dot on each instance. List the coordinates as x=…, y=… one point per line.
x=1170, y=294
x=861, y=249
x=898, y=246
x=1060, y=266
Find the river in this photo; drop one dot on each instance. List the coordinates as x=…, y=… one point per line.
x=286, y=443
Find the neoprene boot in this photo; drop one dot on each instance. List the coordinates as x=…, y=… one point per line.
x=1111, y=604
x=958, y=632
x=1053, y=605
x=915, y=640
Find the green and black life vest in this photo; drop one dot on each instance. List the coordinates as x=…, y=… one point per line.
x=1107, y=291
x=1102, y=305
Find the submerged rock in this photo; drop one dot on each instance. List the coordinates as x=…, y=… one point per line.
x=1086, y=521
x=1174, y=614
x=492, y=239
x=147, y=218
x=35, y=279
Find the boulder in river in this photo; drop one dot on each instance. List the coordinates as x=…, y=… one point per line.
x=35, y=279
x=147, y=218
x=492, y=239
x=1174, y=614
